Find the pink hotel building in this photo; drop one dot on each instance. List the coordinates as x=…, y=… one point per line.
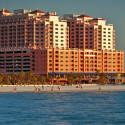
x=45, y=44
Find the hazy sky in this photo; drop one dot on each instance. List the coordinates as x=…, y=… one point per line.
x=111, y=10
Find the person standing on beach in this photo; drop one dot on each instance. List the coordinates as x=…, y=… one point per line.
x=42, y=87
x=99, y=88
x=58, y=87
x=81, y=86
x=52, y=88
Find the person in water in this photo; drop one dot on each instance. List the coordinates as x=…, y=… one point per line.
x=35, y=89
x=39, y=90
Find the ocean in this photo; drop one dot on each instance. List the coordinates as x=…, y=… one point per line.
x=62, y=108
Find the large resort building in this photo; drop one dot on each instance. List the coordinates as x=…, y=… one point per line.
x=45, y=44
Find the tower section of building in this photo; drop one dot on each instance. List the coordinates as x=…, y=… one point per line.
x=34, y=29
x=90, y=33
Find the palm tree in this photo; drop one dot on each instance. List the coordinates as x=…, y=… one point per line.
x=14, y=78
x=1, y=78
x=8, y=79
x=42, y=79
x=34, y=80
x=70, y=78
x=102, y=78
x=49, y=78
x=28, y=76
x=80, y=76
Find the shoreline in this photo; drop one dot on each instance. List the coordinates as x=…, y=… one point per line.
x=59, y=88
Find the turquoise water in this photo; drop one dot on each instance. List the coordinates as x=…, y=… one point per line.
x=78, y=108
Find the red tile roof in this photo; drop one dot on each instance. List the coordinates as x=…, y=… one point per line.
x=84, y=15
x=5, y=11
x=36, y=11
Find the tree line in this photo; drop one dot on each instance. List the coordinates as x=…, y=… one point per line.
x=30, y=78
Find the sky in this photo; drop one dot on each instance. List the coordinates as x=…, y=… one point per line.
x=111, y=10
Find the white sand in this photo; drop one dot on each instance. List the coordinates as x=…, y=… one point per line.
x=57, y=88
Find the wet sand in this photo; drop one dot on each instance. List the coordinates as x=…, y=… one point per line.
x=58, y=88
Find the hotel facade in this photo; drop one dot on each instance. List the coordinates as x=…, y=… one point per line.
x=45, y=44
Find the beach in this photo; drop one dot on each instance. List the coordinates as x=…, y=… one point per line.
x=59, y=88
